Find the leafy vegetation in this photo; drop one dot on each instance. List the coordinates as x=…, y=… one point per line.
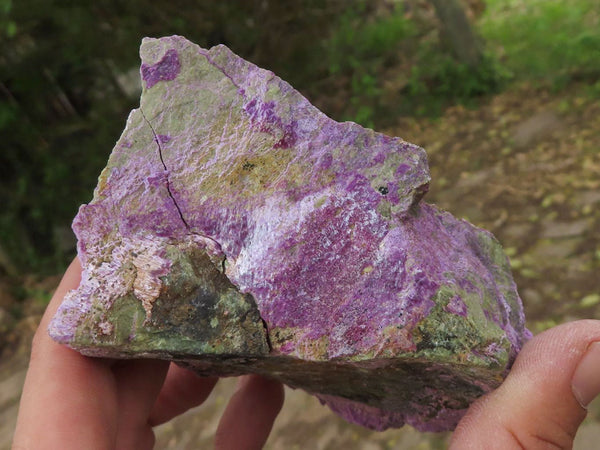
x=433, y=86
x=365, y=51
x=550, y=40
x=68, y=79
x=361, y=50
x=65, y=95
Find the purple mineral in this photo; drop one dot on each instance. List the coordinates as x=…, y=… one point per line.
x=237, y=229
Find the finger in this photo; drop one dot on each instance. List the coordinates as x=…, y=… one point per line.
x=69, y=281
x=138, y=384
x=250, y=414
x=85, y=387
x=536, y=406
x=181, y=391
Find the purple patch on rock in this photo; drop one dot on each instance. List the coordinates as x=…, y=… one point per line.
x=166, y=69
x=457, y=306
x=265, y=118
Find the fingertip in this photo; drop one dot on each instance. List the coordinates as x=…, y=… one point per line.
x=182, y=390
x=137, y=383
x=586, y=379
x=271, y=392
x=250, y=414
x=536, y=404
x=69, y=281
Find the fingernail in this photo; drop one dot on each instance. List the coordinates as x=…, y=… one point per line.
x=586, y=379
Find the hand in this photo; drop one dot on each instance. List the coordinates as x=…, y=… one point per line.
x=542, y=402
x=71, y=401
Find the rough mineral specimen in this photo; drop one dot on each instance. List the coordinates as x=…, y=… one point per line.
x=237, y=229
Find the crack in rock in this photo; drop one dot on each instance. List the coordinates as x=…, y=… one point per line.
x=160, y=155
x=172, y=197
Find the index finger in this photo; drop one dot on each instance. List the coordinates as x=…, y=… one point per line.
x=67, y=398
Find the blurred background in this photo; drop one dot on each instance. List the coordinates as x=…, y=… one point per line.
x=503, y=94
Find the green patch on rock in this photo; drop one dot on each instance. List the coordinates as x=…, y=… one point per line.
x=198, y=312
x=457, y=338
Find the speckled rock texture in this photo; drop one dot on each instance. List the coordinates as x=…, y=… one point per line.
x=237, y=229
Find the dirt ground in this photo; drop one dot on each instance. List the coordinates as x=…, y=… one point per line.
x=525, y=165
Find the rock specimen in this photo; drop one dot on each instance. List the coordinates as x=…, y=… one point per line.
x=237, y=229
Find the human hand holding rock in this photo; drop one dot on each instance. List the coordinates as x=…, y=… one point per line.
x=542, y=402
x=70, y=400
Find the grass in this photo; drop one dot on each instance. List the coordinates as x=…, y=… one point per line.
x=545, y=40
x=364, y=49
x=361, y=49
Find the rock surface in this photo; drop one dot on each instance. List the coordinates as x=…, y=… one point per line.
x=237, y=229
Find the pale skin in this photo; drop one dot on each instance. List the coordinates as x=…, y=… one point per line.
x=71, y=401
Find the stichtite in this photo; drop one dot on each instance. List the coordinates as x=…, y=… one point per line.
x=237, y=229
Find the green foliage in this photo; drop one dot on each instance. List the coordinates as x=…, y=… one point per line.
x=7, y=26
x=549, y=40
x=63, y=101
x=437, y=79
x=63, y=105
x=361, y=49
x=356, y=42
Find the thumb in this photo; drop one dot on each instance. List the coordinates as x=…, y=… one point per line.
x=542, y=401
